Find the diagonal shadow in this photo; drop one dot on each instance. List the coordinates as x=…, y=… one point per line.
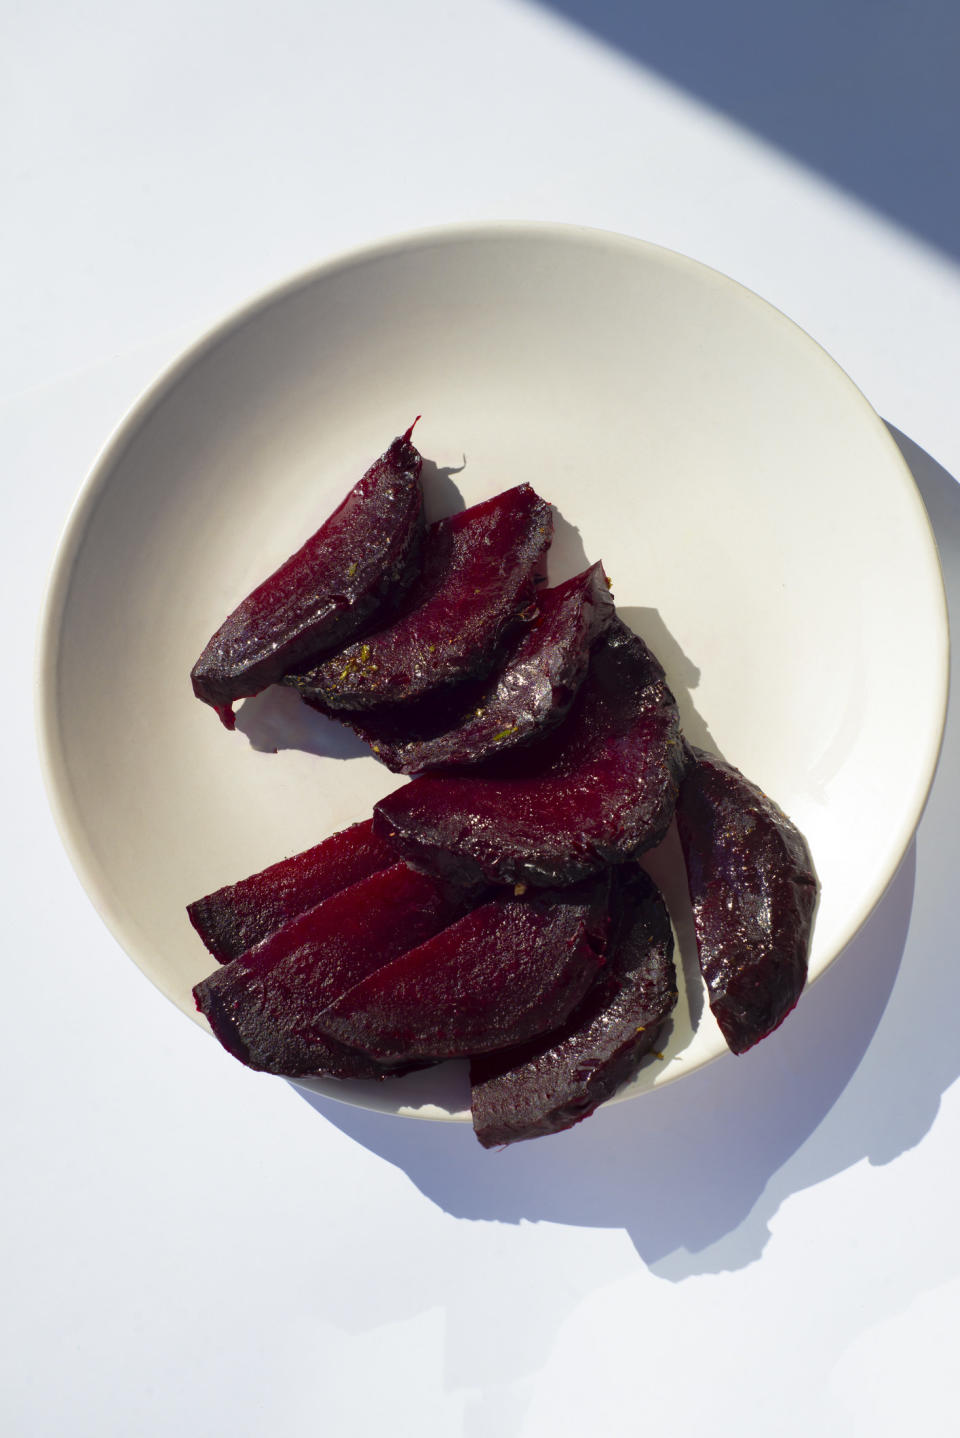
x=864, y=93
x=695, y=1172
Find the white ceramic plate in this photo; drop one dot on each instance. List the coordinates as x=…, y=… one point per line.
x=760, y=527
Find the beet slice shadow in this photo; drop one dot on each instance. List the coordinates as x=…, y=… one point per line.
x=552, y=1083
x=234, y=919
x=525, y=698
x=364, y=557
x=511, y=968
x=753, y=889
x=476, y=589
x=264, y=1006
x=598, y=790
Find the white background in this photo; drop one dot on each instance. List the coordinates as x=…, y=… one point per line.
x=769, y=1247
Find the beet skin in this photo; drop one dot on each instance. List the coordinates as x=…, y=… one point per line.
x=754, y=890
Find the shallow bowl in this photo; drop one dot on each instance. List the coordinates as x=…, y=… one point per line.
x=760, y=527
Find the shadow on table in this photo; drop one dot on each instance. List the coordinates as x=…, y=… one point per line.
x=864, y=93
x=696, y=1171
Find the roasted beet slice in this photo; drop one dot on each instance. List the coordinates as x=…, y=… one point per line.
x=364, y=556
x=238, y=916
x=476, y=588
x=264, y=1006
x=529, y=695
x=754, y=890
x=509, y=969
x=598, y=790
x=553, y=1082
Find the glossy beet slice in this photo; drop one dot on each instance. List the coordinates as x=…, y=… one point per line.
x=235, y=918
x=525, y=698
x=363, y=557
x=596, y=791
x=511, y=968
x=264, y=1007
x=754, y=890
x=552, y=1083
x=476, y=588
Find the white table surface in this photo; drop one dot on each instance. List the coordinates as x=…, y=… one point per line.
x=767, y=1248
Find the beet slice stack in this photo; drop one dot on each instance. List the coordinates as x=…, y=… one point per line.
x=265, y=1006
x=521, y=701
x=363, y=557
x=491, y=909
x=476, y=590
x=551, y=1083
x=511, y=968
x=598, y=790
x=235, y=918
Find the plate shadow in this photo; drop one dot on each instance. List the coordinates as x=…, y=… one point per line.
x=695, y=1172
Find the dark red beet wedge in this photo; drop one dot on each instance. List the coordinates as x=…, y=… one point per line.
x=509, y=969
x=525, y=698
x=754, y=890
x=365, y=556
x=264, y=1006
x=552, y=1083
x=476, y=589
x=598, y=790
x=238, y=916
